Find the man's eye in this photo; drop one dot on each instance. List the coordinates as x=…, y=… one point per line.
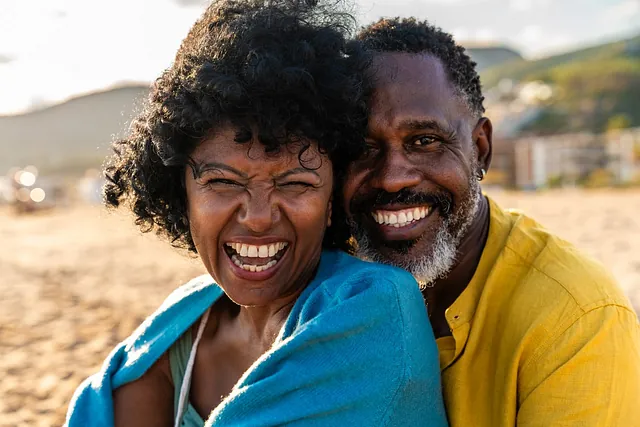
x=424, y=140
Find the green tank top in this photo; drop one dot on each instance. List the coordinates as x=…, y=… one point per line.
x=178, y=358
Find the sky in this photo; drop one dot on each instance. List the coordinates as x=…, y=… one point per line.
x=51, y=50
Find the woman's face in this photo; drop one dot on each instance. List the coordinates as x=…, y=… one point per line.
x=258, y=219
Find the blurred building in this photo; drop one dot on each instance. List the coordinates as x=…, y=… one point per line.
x=89, y=187
x=578, y=159
x=512, y=105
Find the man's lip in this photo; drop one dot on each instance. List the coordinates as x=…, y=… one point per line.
x=412, y=231
x=398, y=207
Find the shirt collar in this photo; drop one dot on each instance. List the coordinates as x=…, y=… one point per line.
x=460, y=314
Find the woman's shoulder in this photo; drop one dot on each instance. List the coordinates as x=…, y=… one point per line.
x=192, y=297
x=371, y=308
x=193, y=287
x=364, y=288
x=339, y=271
x=163, y=327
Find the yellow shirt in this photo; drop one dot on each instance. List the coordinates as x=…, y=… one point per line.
x=542, y=336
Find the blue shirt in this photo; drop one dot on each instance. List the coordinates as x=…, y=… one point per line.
x=357, y=349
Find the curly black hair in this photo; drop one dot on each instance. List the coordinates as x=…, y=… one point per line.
x=409, y=35
x=281, y=72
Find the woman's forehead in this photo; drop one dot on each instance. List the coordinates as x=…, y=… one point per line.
x=222, y=147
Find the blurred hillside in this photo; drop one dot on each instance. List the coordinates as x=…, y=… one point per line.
x=68, y=137
x=489, y=56
x=595, y=89
x=73, y=136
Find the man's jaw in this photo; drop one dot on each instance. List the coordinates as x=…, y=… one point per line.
x=408, y=246
x=426, y=262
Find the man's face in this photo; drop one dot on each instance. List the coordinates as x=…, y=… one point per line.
x=413, y=194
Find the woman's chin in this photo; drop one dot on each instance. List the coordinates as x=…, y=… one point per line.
x=252, y=293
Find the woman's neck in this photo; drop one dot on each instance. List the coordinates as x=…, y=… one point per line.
x=262, y=324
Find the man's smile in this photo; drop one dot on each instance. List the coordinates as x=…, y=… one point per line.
x=402, y=223
x=400, y=218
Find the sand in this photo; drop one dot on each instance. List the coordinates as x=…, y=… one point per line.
x=75, y=282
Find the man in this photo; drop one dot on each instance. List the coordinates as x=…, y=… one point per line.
x=530, y=331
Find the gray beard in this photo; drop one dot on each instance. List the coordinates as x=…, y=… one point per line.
x=440, y=258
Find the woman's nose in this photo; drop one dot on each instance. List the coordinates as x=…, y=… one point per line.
x=259, y=213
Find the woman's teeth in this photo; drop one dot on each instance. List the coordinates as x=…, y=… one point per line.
x=253, y=251
x=252, y=267
x=252, y=254
x=400, y=218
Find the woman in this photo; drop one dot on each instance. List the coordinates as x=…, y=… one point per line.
x=237, y=158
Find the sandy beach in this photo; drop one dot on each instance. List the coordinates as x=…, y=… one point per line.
x=75, y=282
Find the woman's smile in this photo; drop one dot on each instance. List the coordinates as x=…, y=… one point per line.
x=256, y=260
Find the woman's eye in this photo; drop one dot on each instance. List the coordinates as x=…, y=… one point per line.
x=296, y=184
x=424, y=140
x=221, y=181
x=369, y=150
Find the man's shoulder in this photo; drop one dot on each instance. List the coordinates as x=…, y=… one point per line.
x=555, y=270
x=543, y=286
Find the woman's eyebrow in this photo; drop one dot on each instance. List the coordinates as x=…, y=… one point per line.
x=203, y=167
x=296, y=171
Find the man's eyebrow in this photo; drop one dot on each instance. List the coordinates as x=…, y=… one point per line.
x=297, y=170
x=199, y=168
x=426, y=124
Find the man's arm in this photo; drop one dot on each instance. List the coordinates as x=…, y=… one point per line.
x=588, y=375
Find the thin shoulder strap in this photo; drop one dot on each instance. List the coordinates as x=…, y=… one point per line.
x=186, y=381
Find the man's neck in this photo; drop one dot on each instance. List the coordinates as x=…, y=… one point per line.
x=446, y=290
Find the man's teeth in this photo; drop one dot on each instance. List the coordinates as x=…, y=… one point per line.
x=400, y=218
x=253, y=251
x=251, y=267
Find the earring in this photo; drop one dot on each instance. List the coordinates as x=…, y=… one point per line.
x=482, y=174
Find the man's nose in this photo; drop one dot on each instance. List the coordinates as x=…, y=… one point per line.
x=259, y=213
x=395, y=172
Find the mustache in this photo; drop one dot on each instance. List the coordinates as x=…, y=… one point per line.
x=441, y=199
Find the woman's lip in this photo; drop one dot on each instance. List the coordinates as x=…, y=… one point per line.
x=256, y=276
x=256, y=241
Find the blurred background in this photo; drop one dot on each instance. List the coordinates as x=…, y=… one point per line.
x=562, y=82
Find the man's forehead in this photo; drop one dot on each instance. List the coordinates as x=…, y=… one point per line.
x=413, y=86
x=391, y=67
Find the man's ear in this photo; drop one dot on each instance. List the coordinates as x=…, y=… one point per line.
x=482, y=137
